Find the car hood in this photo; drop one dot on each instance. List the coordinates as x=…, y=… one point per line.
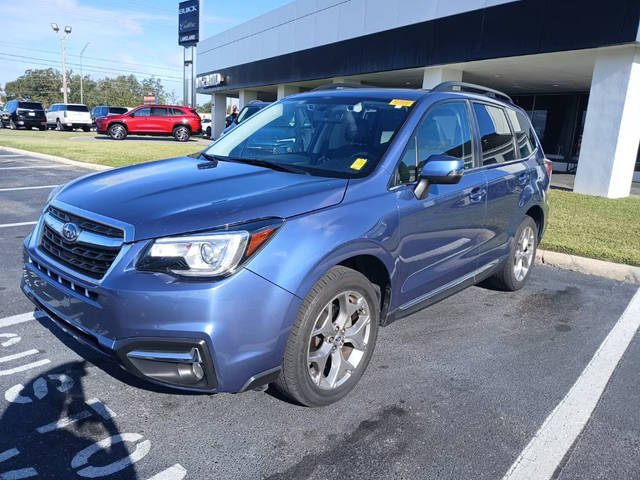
x=183, y=195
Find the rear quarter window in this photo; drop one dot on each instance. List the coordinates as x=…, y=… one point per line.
x=523, y=132
x=496, y=138
x=77, y=108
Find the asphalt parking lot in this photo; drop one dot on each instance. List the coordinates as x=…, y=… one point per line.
x=456, y=391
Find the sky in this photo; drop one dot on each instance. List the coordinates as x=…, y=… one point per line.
x=123, y=36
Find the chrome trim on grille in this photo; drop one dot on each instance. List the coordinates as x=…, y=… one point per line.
x=45, y=259
x=129, y=231
x=85, y=237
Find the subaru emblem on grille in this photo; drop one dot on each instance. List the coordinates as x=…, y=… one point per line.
x=70, y=232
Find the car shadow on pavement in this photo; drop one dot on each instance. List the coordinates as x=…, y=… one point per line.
x=51, y=426
x=165, y=138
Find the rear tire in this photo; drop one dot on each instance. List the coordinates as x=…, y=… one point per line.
x=331, y=340
x=86, y=129
x=117, y=131
x=42, y=128
x=12, y=125
x=59, y=126
x=515, y=270
x=181, y=133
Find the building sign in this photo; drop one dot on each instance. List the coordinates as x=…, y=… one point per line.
x=209, y=80
x=188, y=23
x=150, y=99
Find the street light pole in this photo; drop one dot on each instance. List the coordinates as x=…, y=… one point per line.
x=81, y=74
x=67, y=30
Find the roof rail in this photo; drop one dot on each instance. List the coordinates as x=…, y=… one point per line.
x=339, y=86
x=471, y=87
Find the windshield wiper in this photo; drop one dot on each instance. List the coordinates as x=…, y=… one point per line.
x=258, y=163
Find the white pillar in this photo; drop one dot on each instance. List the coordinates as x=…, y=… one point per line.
x=432, y=76
x=286, y=90
x=218, y=114
x=246, y=96
x=612, y=127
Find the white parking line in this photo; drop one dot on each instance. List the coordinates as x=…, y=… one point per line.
x=26, y=188
x=34, y=166
x=544, y=453
x=15, y=356
x=64, y=422
x=19, y=224
x=10, y=156
x=15, y=319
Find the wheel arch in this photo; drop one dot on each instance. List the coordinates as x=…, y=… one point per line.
x=180, y=124
x=117, y=122
x=537, y=213
x=366, y=257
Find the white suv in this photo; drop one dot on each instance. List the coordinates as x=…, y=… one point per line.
x=67, y=116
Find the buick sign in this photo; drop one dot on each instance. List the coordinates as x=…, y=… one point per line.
x=188, y=23
x=70, y=232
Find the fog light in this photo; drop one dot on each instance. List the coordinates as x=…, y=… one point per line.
x=198, y=371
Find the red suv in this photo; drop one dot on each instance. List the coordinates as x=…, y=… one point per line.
x=181, y=122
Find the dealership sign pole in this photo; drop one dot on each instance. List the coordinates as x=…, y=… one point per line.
x=188, y=36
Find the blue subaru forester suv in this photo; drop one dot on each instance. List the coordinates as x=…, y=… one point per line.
x=274, y=255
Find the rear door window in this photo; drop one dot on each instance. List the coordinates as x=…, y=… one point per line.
x=117, y=110
x=496, y=138
x=160, y=112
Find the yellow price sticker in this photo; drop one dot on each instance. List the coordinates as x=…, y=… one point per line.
x=398, y=102
x=359, y=163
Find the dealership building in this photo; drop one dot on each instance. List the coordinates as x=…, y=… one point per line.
x=573, y=65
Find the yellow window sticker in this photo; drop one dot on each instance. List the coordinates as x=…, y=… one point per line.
x=398, y=102
x=359, y=163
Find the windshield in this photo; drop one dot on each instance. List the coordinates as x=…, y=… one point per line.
x=333, y=136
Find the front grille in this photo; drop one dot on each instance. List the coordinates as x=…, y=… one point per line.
x=90, y=260
x=85, y=223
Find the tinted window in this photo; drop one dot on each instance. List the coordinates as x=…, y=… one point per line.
x=77, y=108
x=160, y=112
x=523, y=132
x=495, y=135
x=118, y=110
x=247, y=112
x=143, y=112
x=11, y=106
x=334, y=136
x=176, y=112
x=444, y=130
x=30, y=105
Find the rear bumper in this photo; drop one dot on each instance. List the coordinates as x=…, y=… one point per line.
x=31, y=122
x=239, y=325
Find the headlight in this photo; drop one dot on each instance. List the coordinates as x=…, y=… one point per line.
x=210, y=254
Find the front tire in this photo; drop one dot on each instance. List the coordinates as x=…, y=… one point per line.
x=332, y=339
x=515, y=271
x=12, y=125
x=86, y=129
x=117, y=131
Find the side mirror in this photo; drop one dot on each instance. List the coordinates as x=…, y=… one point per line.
x=438, y=169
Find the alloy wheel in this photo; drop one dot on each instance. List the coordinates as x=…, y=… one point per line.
x=339, y=340
x=523, y=257
x=117, y=132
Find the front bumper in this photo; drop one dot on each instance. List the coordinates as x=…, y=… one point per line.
x=239, y=325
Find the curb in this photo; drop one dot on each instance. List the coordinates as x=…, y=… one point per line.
x=54, y=158
x=590, y=266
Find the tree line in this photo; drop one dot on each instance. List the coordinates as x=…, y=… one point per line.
x=45, y=86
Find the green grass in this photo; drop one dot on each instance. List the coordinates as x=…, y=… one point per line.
x=100, y=149
x=594, y=227
x=582, y=225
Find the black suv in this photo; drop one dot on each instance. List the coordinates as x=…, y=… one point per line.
x=23, y=113
x=104, y=110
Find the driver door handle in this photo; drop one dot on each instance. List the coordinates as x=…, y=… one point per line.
x=477, y=194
